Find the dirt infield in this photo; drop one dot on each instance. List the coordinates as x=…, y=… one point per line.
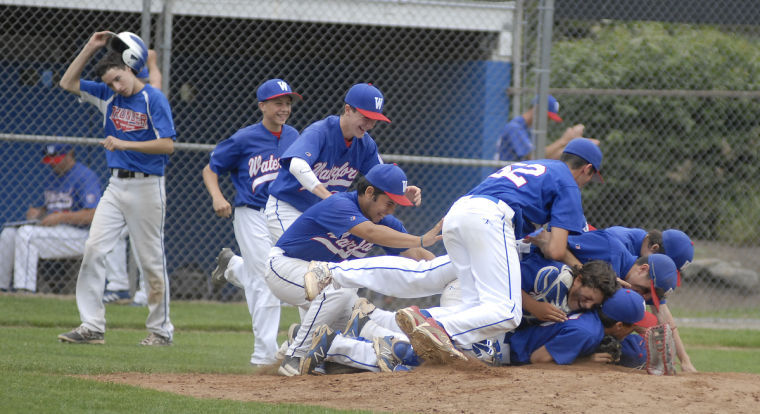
x=585, y=387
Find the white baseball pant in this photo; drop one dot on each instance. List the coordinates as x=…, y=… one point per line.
x=21, y=249
x=332, y=307
x=140, y=205
x=395, y=275
x=252, y=236
x=479, y=237
x=280, y=215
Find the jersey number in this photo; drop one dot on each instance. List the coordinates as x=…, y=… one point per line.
x=511, y=172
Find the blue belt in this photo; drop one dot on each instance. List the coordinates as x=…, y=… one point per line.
x=252, y=207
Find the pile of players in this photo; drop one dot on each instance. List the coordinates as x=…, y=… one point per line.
x=501, y=280
x=511, y=293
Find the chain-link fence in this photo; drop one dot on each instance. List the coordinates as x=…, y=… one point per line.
x=671, y=89
x=673, y=103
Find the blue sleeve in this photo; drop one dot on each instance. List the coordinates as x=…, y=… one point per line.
x=225, y=156
x=567, y=209
x=287, y=138
x=307, y=147
x=339, y=216
x=161, y=114
x=574, y=340
x=515, y=143
x=397, y=225
x=97, y=89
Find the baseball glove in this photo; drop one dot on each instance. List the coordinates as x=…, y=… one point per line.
x=660, y=350
x=612, y=346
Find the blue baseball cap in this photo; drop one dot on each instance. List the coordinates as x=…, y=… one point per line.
x=55, y=152
x=586, y=149
x=391, y=179
x=625, y=306
x=368, y=100
x=679, y=247
x=552, y=109
x=663, y=275
x=274, y=88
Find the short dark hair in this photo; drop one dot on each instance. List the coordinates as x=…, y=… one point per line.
x=597, y=274
x=362, y=184
x=573, y=161
x=109, y=61
x=655, y=237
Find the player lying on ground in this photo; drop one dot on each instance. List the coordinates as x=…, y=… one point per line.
x=654, y=277
x=579, y=289
x=342, y=226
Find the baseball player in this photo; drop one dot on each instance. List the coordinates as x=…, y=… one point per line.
x=479, y=233
x=342, y=226
x=580, y=335
x=515, y=142
x=139, y=135
x=59, y=223
x=250, y=157
x=672, y=242
x=654, y=276
x=327, y=158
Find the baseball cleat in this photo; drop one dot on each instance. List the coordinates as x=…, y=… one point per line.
x=316, y=279
x=321, y=341
x=119, y=297
x=431, y=342
x=390, y=352
x=155, y=339
x=359, y=317
x=293, y=332
x=409, y=318
x=222, y=261
x=82, y=335
x=289, y=366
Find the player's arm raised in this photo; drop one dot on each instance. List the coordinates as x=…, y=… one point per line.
x=70, y=79
x=386, y=236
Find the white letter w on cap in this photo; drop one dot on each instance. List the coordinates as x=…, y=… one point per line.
x=283, y=85
x=378, y=103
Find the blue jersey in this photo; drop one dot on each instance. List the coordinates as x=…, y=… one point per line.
x=515, y=142
x=336, y=166
x=251, y=157
x=143, y=116
x=321, y=232
x=539, y=192
x=77, y=189
x=545, y=280
x=632, y=239
x=579, y=336
x=601, y=245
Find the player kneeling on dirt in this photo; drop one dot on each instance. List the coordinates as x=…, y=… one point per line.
x=342, y=226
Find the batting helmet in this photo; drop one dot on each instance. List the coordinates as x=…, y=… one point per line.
x=133, y=51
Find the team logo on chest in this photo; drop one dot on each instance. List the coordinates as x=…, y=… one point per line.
x=127, y=120
x=345, y=246
x=259, y=164
x=340, y=175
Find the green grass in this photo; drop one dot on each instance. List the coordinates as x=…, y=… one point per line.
x=35, y=369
